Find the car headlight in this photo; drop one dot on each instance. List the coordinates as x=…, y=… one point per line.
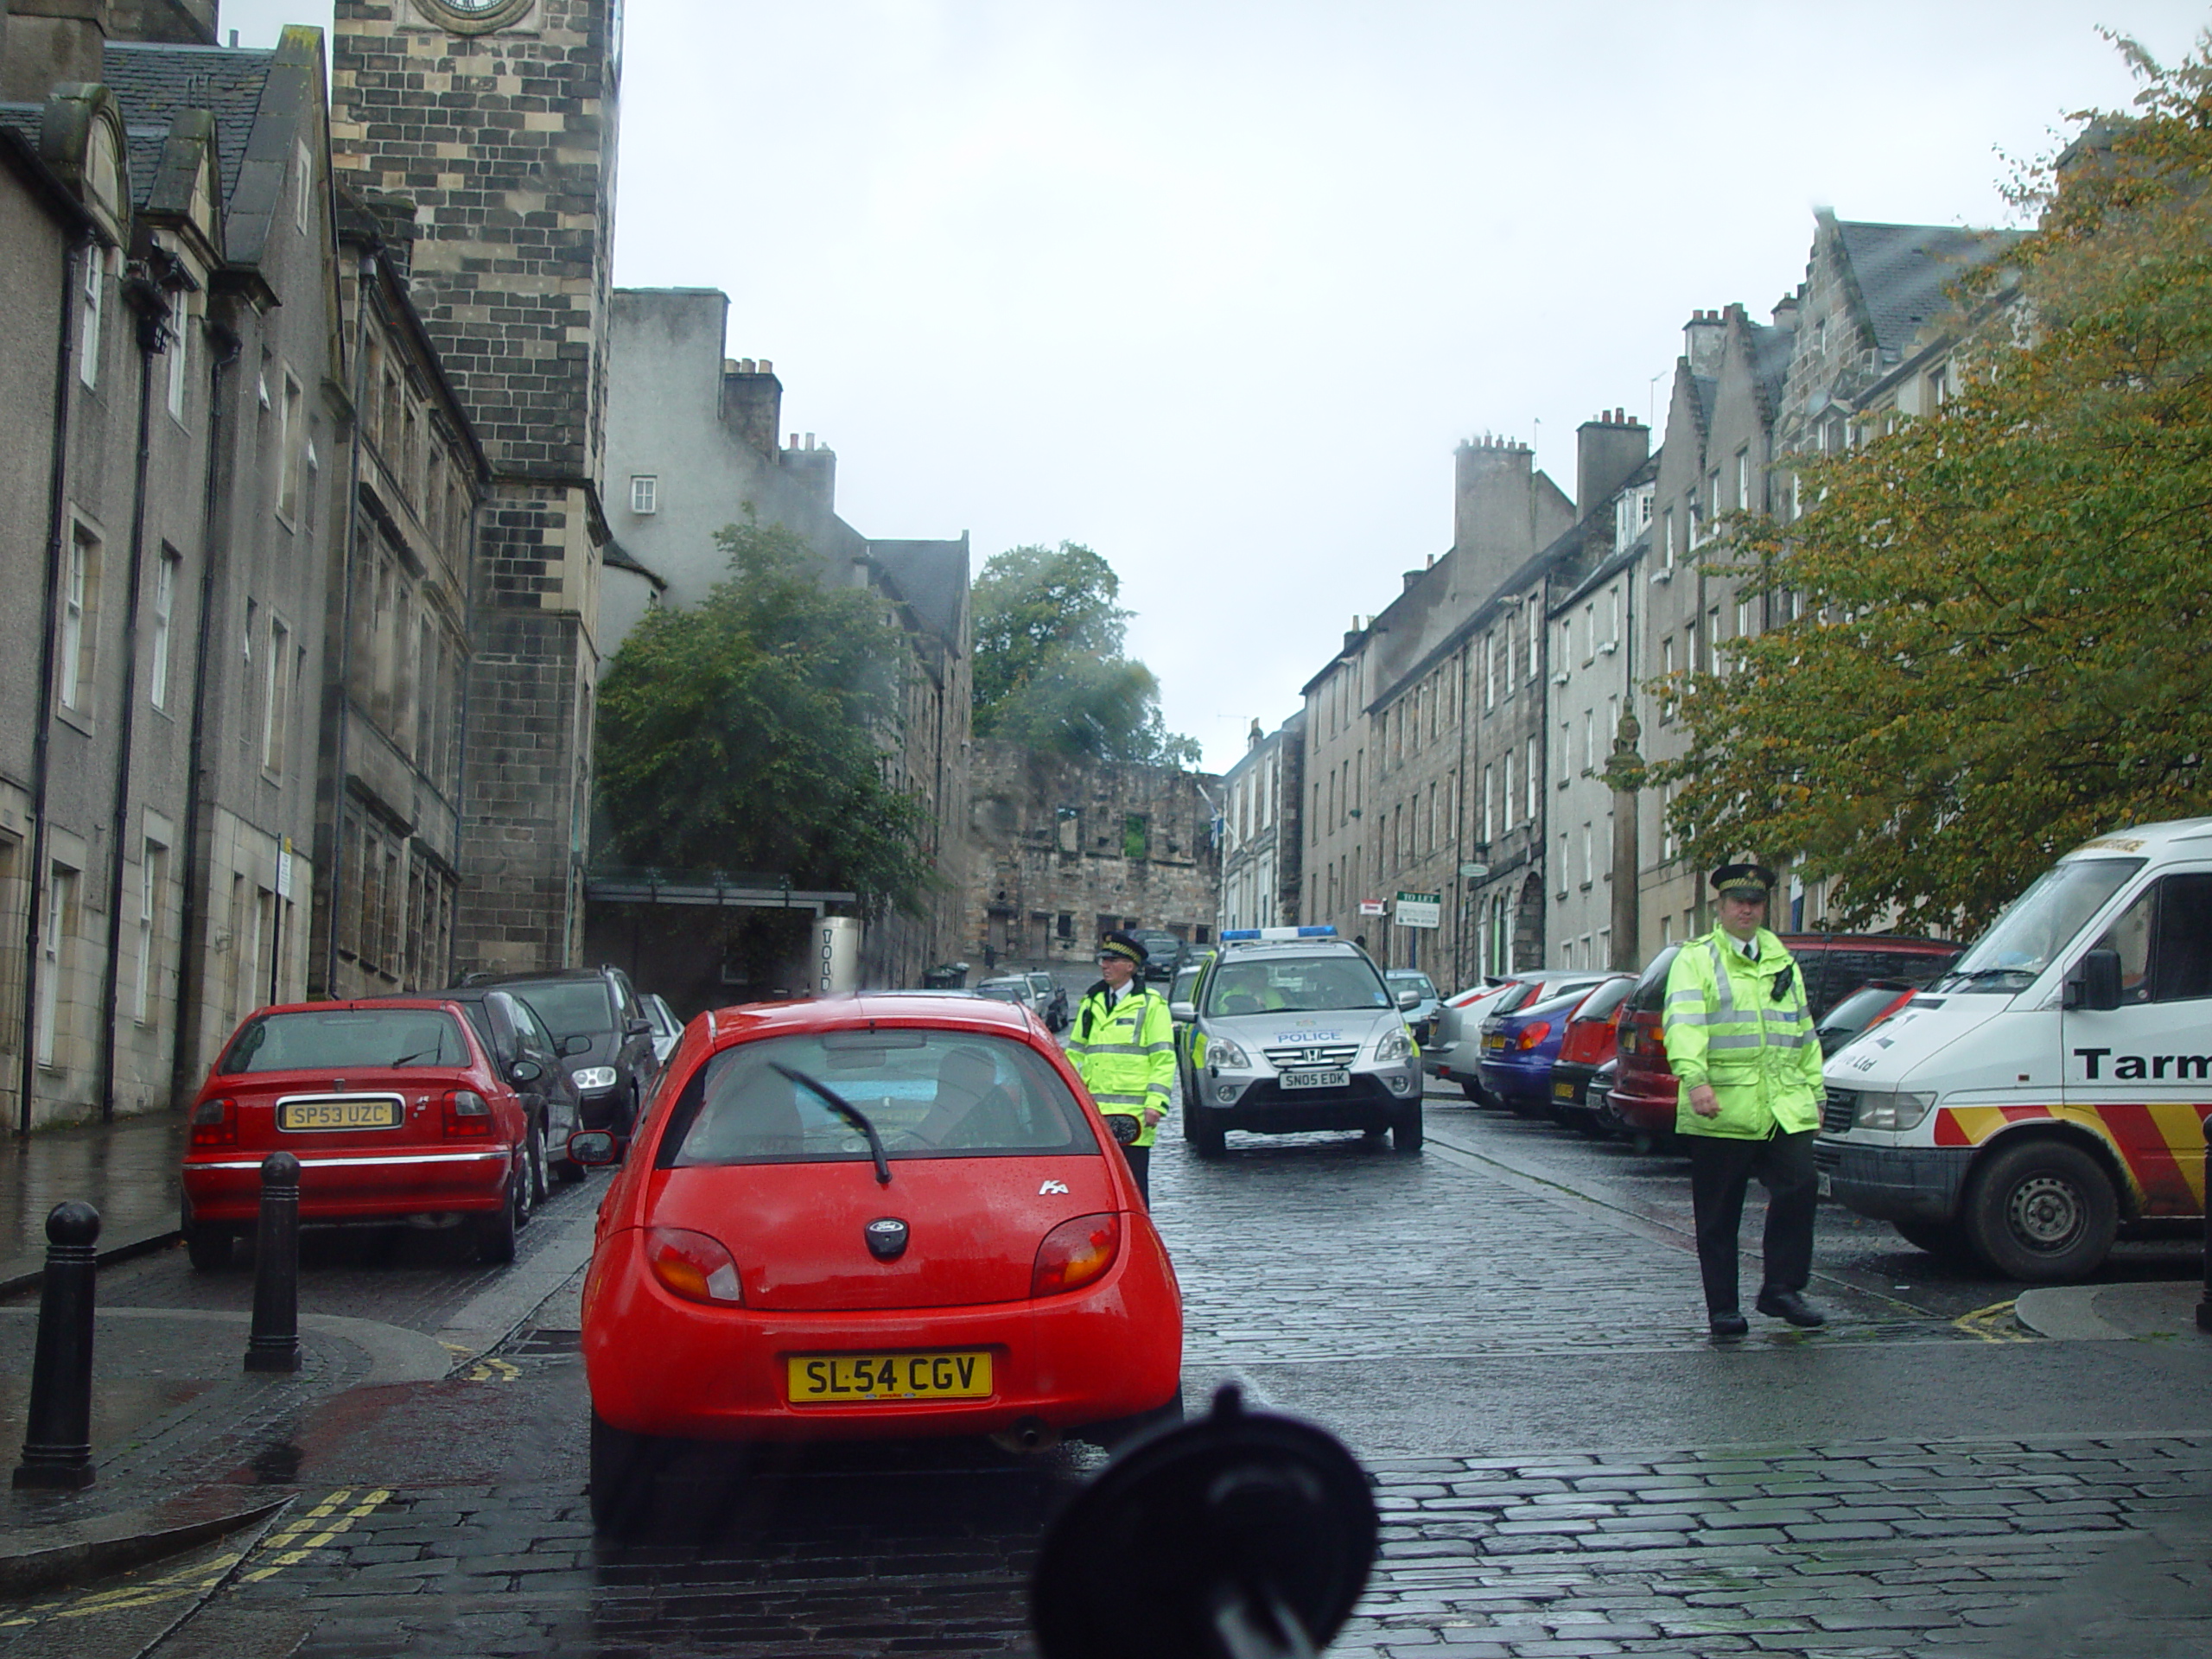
x=1895, y=1111
x=1396, y=1044
x=593, y=1077
x=1221, y=1052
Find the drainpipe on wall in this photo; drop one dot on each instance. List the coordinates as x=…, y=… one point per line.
x=364, y=275
x=190, y=968
x=145, y=297
x=86, y=247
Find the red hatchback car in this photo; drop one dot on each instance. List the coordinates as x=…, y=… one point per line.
x=893, y=1215
x=393, y=1107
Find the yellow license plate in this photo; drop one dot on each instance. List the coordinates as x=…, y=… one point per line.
x=831, y=1379
x=1562, y=1091
x=1493, y=1042
x=338, y=1114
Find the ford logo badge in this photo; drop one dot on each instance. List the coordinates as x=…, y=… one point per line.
x=886, y=1238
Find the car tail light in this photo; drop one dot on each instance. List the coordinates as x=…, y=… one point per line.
x=1531, y=1035
x=693, y=1266
x=467, y=1114
x=215, y=1123
x=1075, y=1253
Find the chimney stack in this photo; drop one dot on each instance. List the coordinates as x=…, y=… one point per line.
x=1703, y=338
x=1607, y=452
x=752, y=403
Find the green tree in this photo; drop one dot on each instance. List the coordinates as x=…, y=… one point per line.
x=2004, y=650
x=1049, y=671
x=745, y=732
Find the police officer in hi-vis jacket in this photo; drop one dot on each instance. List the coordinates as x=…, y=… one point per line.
x=1740, y=1038
x=1122, y=1046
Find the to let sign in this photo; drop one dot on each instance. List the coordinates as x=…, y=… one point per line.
x=1420, y=910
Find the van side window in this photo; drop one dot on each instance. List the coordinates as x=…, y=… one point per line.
x=2165, y=942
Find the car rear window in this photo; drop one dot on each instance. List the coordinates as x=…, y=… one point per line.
x=1601, y=1003
x=1651, y=993
x=1295, y=985
x=355, y=1039
x=928, y=1094
x=570, y=1007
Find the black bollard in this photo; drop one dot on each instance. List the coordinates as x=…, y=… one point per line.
x=58, y=1439
x=2204, y=1303
x=275, y=1344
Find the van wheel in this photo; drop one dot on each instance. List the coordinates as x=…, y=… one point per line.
x=2041, y=1212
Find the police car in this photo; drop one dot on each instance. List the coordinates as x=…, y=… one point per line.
x=1294, y=1029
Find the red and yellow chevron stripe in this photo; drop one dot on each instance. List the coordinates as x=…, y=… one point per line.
x=2161, y=1144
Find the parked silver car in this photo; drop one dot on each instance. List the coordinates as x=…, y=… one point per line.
x=1298, y=1034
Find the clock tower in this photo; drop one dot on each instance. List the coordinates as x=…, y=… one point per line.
x=495, y=119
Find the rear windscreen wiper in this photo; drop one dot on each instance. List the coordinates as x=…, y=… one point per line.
x=850, y=1113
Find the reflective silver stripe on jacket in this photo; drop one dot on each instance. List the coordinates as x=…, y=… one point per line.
x=1106, y=1102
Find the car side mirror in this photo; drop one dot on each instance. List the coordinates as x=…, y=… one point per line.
x=638, y=1028
x=575, y=1043
x=1409, y=998
x=522, y=1073
x=1183, y=1012
x=592, y=1147
x=2094, y=983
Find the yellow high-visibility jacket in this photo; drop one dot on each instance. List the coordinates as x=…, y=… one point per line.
x=1125, y=1056
x=1724, y=1026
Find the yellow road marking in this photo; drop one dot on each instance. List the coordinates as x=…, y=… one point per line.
x=1988, y=1324
x=276, y=1544
x=491, y=1370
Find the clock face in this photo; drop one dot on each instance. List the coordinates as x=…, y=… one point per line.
x=472, y=16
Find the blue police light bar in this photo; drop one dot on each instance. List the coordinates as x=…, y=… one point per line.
x=1323, y=931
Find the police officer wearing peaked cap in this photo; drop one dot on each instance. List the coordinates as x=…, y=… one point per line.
x=1122, y=1046
x=1740, y=1040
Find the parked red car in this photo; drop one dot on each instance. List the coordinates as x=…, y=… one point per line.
x=863, y=1217
x=394, y=1108
x=1644, y=1090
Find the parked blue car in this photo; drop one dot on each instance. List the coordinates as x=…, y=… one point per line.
x=1518, y=1049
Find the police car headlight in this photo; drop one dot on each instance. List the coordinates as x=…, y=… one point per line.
x=1396, y=1046
x=593, y=1076
x=1891, y=1111
x=1221, y=1051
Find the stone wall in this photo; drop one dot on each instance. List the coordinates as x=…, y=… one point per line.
x=1054, y=852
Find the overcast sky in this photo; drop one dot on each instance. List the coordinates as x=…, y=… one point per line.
x=1215, y=287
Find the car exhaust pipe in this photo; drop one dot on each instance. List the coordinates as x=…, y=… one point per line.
x=1028, y=1434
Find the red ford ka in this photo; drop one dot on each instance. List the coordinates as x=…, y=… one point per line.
x=393, y=1107
x=893, y=1215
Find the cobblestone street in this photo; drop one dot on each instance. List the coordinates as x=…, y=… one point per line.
x=1506, y=1330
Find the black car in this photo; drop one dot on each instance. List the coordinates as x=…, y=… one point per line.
x=605, y=1038
x=528, y=1057
x=1163, y=952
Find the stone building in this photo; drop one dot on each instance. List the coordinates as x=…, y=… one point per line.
x=389, y=831
x=1262, y=803
x=1063, y=852
x=1715, y=460
x=695, y=443
x=497, y=119
x=1503, y=512
x=167, y=258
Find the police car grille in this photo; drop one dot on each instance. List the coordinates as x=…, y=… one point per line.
x=1842, y=1106
x=1331, y=1055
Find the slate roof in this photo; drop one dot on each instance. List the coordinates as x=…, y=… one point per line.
x=931, y=577
x=1902, y=270
x=153, y=83
x=1771, y=352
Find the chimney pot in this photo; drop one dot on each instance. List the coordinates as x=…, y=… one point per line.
x=809, y=441
x=793, y=444
x=766, y=367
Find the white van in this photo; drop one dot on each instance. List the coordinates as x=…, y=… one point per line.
x=2051, y=1089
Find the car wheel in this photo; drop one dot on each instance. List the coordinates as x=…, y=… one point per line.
x=495, y=1234
x=1405, y=1133
x=1473, y=1091
x=207, y=1245
x=1942, y=1239
x=534, y=1155
x=1209, y=1139
x=624, y=1468
x=568, y=1170
x=2041, y=1212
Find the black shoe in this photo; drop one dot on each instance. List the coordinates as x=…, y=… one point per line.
x=1724, y=1326
x=1790, y=1305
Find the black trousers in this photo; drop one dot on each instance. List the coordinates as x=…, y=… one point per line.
x=1140, y=1161
x=1720, y=1174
